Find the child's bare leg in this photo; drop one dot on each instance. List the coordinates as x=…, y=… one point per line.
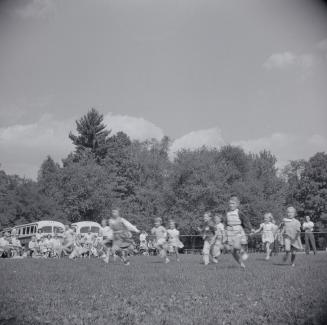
x=237, y=257
x=287, y=253
x=164, y=254
x=243, y=253
x=206, y=252
x=267, y=251
x=293, y=255
x=176, y=253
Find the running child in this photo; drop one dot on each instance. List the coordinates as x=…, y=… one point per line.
x=291, y=230
x=160, y=241
x=174, y=242
x=268, y=230
x=220, y=235
x=208, y=231
x=236, y=237
x=122, y=235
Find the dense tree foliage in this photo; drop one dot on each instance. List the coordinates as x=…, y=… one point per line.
x=111, y=170
x=307, y=186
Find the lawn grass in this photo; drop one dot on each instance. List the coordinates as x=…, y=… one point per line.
x=150, y=292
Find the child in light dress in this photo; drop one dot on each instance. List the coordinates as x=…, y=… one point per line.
x=56, y=246
x=268, y=230
x=174, y=242
x=122, y=235
x=291, y=230
x=237, y=223
x=160, y=241
x=34, y=247
x=220, y=235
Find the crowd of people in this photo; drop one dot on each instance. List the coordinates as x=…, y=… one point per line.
x=115, y=239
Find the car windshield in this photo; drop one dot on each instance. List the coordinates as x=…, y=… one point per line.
x=84, y=230
x=46, y=229
x=58, y=230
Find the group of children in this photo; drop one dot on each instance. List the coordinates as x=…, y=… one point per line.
x=238, y=228
x=10, y=246
x=232, y=235
x=229, y=232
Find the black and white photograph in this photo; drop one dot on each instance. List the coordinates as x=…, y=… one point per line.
x=163, y=162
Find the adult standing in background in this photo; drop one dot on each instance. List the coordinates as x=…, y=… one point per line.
x=308, y=226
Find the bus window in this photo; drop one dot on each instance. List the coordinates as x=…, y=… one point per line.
x=84, y=230
x=18, y=231
x=24, y=231
x=46, y=229
x=27, y=230
x=58, y=230
x=95, y=229
x=33, y=229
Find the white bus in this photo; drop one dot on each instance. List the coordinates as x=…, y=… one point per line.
x=27, y=231
x=83, y=227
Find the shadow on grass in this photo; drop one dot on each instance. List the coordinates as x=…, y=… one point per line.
x=281, y=264
x=260, y=259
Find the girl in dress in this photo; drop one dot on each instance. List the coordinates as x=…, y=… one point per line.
x=174, y=242
x=220, y=235
x=291, y=230
x=268, y=229
x=236, y=237
x=122, y=235
x=160, y=241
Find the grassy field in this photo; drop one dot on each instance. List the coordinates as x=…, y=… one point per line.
x=149, y=292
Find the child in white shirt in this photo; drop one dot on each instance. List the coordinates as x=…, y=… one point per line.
x=160, y=241
x=174, y=242
x=268, y=230
x=291, y=229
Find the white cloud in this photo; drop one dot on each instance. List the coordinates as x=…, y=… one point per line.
x=322, y=45
x=280, y=60
x=288, y=59
x=23, y=147
x=318, y=141
x=274, y=141
x=211, y=138
x=285, y=146
x=137, y=128
x=37, y=9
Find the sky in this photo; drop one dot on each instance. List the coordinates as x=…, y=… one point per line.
x=203, y=72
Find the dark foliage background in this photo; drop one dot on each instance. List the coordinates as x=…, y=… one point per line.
x=107, y=170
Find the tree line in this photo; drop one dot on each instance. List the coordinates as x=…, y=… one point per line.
x=107, y=170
